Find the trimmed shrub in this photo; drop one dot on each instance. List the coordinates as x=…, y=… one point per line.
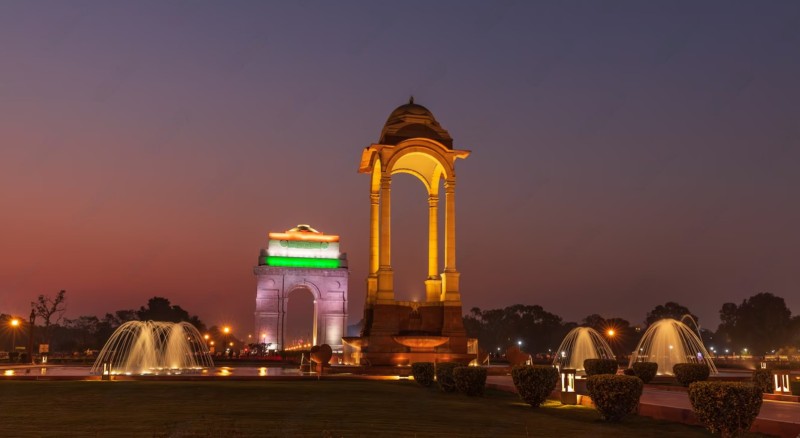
x=794, y=387
x=423, y=373
x=687, y=373
x=534, y=382
x=470, y=380
x=594, y=367
x=762, y=379
x=645, y=370
x=444, y=376
x=614, y=396
x=726, y=408
x=629, y=372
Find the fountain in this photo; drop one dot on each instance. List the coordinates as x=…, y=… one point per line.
x=581, y=343
x=153, y=347
x=668, y=342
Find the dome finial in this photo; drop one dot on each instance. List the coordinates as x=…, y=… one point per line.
x=411, y=100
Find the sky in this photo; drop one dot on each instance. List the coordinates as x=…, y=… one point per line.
x=624, y=154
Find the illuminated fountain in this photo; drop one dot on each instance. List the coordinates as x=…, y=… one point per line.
x=668, y=342
x=153, y=347
x=581, y=343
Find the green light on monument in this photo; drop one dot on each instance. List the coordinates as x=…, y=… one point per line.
x=301, y=262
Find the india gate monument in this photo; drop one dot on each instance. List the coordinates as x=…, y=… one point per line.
x=394, y=332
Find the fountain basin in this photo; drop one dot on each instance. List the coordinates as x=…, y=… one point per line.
x=421, y=343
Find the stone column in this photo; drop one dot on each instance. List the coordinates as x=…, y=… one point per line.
x=385, y=276
x=450, y=287
x=374, y=229
x=433, y=284
x=433, y=237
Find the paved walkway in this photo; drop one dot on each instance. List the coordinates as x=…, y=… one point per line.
x=776, y=417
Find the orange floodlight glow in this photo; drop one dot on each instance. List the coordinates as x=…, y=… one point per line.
x=304, y=232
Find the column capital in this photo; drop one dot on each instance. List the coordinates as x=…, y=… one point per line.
x=433, y=200
x=450, y=185
x=374, y=197
x=386, y=181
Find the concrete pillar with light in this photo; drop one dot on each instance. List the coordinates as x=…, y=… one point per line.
x=568, y=394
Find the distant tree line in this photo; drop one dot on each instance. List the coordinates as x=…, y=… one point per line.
x=762, y=324
x=86, y=332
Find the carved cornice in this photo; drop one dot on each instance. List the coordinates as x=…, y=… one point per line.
x=308, y=272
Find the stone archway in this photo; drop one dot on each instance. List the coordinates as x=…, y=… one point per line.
x=299, y=317
x=329, y=288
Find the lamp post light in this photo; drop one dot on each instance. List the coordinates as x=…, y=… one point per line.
x=14, y=324
x=30, y=336
x=568, y=395
x=227, y=331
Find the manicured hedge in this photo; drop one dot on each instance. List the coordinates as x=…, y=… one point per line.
x=423, y=373
x=444, y=376
x=614, y=396
x=687, y=373
x=594, y=367
x=629, y=372
x=534, y=382
x=470, y=380
x=762, y=379
x=645, y=370
x=725, y=408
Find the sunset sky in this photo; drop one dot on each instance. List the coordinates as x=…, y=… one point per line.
x=623, y=153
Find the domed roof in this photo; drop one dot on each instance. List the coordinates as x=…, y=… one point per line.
x=412, y=120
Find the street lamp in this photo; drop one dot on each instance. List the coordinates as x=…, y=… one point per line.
x=611, y=333
x=227, y=330
x=14, y=324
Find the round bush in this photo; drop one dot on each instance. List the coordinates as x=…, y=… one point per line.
x=645, y=370
x=614, y=396
x=423, y=373
x=687, y=373
x=629, y=372
x=762, y=379
x=594, y=367
x=470, y=380
x=444, y=376
x=534, y=382
x=726, y=408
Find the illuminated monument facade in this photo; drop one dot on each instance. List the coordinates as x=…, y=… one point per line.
x=402, y=332
x=301, y=258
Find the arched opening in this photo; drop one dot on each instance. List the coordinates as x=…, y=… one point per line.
x=300, y=319
x=409, y=237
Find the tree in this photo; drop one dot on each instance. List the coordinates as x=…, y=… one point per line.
x=727, y=317
x=762, y=323
x=46, y=308
x=160, y=309
x=537, y=329
x=595, y=321
x=670, y=309
x=84, y=331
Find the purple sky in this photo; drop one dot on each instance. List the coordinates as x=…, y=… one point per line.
x=624, y=154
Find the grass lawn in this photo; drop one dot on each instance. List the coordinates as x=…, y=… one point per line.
x=299, y=408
